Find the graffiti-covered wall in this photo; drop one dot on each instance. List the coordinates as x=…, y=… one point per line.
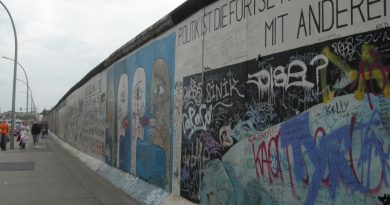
x=81, y=119
x=248, y=102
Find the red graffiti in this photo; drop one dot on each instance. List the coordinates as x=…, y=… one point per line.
x=262, y=156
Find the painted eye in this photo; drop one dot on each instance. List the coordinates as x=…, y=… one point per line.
x=138, y=93
x=158, y=90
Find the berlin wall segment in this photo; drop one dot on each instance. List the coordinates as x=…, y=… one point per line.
x=249, y=102
x=243, y=99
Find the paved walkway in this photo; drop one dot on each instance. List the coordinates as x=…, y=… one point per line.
x=49, y=175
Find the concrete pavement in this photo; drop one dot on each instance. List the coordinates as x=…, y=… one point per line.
x=49, y=175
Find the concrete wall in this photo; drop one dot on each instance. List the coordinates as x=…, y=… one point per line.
x=248, y=102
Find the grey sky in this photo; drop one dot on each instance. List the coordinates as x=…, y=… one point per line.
x=60, y=41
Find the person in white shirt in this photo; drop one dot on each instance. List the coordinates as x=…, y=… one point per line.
x=23, y=137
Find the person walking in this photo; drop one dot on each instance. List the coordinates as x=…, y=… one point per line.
x=36, y=131
x=23, y=138
x=4, y=129
x=45, y=129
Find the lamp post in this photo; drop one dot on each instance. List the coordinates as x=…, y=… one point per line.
x=25, y=74
x=27, y=93
x=32, y=105
x=14, y=80
x=29, y=89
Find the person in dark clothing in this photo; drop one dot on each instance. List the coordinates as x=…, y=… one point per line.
x=36, y=131
x=45, y=129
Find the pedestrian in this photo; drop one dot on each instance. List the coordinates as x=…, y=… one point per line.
x=23, y=138
x=4, y=129
x=45, y=128
x=36, y=131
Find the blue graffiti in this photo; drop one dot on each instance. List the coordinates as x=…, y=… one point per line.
x=331, y=151
x=371, y=143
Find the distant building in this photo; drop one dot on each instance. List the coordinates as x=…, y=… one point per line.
x=18, y=115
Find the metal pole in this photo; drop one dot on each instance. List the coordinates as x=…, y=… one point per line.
x=31, y=95
x=25, y=74
x=14, y=81
x=27, y=91
x=27, y=101
x=32, y=101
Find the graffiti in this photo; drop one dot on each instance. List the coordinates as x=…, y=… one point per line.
x=193, y=93
x=349, y=48
x=292, y=87
x=211, y=146
x=225, y=89
x=210, y=114
x=109, y=138
x=261, y=115
x=312, y=163
x=192, y=162
x=196, y=156
x=225, y=106
x=337, y=108
x=384, y=199
x=304, y=57
x=263, y=160
x=331, y=153
x=280, y=78
x=243, y=130
x=268, y=111
x=196, y=120
x=370, y=68
x=83, y=124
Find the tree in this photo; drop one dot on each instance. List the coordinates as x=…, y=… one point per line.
x=45, y=112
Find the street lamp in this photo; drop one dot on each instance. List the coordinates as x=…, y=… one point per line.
x=32, y=103
x=25, y=74
x=14, y=80
x=32, y=100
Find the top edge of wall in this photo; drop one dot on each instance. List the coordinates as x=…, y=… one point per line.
x=173, y=18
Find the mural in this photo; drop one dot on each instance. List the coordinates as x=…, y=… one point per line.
x=117, y=133
x=248, y=102
x=160, y=105
x=138, y=119
x=122, y=117
x=143, y=121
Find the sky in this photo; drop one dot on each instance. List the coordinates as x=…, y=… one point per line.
x=60, y=41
